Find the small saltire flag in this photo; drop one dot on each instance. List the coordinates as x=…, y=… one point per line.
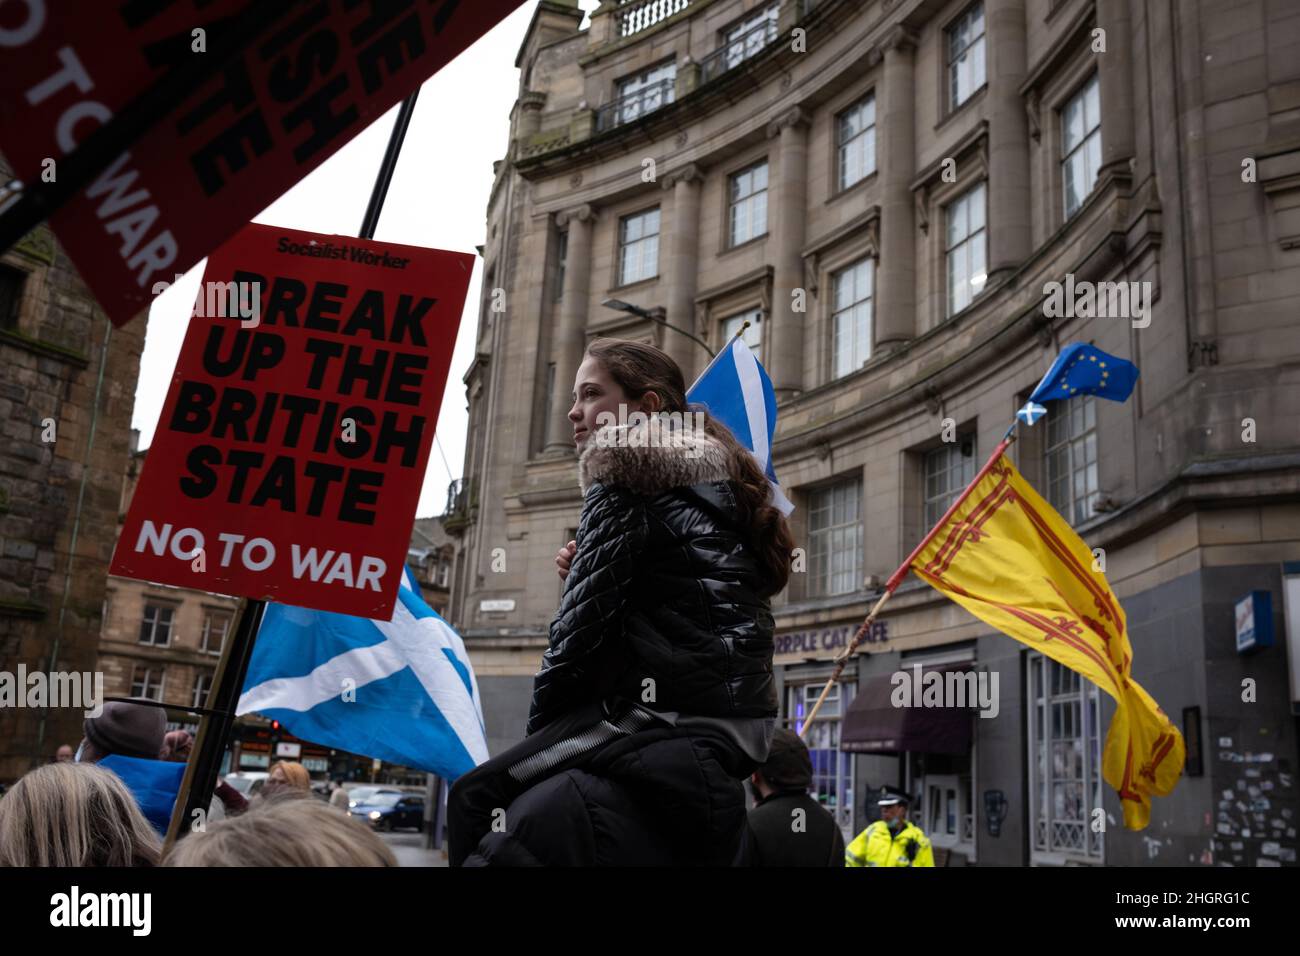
x=1031, y=413
x=737, y=392
x=1007, y=557
x=400, y=690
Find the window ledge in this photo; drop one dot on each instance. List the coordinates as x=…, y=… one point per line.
x=757, y=240
x=817, y=602
x=977, y=136
x=46, y=349
x=963, y=107
x=23, y=609
x=976, y=300
x=633, y=285
x=864, y=183
x=1068, y=219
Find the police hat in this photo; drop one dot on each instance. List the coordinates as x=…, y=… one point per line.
x=891, y=796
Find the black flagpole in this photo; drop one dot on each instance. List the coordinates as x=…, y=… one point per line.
x=215, y=728
x=380, y=190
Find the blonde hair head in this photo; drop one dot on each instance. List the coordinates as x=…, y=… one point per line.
x=74, y=814
x=295, y=774
x=284, y=833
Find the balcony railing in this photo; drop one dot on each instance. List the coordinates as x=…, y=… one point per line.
x=458, y=498
x=634, y=16
x=635, y=105
x=736, y=51
x=637, y=15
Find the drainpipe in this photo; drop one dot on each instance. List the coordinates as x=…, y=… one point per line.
x=76, y=529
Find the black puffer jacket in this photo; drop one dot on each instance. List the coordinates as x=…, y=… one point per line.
x=661, y=605
x=663, y=796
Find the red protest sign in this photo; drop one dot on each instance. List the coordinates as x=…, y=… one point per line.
x=289, y=456
x=313, y=77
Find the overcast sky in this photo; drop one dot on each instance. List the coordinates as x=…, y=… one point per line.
x=438, y=198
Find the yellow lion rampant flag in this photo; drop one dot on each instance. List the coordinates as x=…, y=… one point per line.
x=1007, y=557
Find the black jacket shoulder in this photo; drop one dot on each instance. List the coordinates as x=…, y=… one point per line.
x=664, y=602
x=790, y=828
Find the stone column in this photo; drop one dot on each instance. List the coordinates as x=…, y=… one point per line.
x=530, y=105
x=603, y=27
x=894, y=313
x=1008, y=189
x=790, y=185
x=570, y=333
x=1115, y=76
x=682, y=261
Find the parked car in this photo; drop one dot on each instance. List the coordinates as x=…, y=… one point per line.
x=247, y=782
x=390, y=810
x=360, y=795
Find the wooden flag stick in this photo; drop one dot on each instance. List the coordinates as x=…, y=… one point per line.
x=842, y=659
x=895, y=579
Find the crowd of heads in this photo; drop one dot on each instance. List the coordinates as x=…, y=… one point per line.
x=73, y=812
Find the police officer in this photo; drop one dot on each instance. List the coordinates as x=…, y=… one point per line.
x=893, y=840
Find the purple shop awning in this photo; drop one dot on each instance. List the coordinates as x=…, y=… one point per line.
x=874, y=725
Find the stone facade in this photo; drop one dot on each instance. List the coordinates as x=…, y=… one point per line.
x=902, y=283
x=160, y=641
x=432, y=557
x=67, y=389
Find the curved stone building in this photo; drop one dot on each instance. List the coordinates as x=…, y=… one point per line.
x=888, y=191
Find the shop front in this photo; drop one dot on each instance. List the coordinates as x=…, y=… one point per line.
x=865, y=736
x=804, y=661
x=925, y=741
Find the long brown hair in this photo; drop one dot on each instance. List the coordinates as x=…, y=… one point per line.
x=639, y=368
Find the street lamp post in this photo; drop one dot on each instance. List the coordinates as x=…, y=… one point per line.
x=620, y=306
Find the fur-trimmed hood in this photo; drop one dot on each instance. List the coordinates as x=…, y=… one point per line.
x=650, y=457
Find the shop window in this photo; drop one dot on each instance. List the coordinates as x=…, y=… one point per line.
x=832, y=784
x=1064, y=763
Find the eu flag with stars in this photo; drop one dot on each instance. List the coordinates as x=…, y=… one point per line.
x=1086, y=370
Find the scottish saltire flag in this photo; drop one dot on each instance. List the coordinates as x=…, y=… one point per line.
x=400, y=690
x=1081, y=370
x=1031, y=413
x=737, y=392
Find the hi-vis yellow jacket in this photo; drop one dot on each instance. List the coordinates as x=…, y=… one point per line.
x=874, y=846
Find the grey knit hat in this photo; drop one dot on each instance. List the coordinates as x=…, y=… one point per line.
x=128, y=729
